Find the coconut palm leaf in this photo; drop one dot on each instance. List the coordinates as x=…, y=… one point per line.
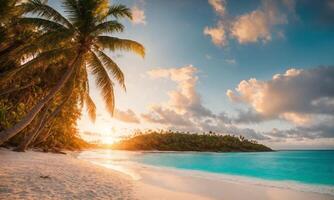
x=108, y=27
x=112, y=67
x=43, y=10
x=43, y=59
x=91, y=108
x=114, y=44
x=119, y=11
x=41, y=23
x=102, y=81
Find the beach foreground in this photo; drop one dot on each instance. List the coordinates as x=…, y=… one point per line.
x=34, y=175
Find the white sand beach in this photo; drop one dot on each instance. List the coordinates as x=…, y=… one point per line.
x=35, y=175
x=21, y=177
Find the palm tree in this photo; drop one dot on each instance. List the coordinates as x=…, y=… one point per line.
x=8, y=11
x=79, y=40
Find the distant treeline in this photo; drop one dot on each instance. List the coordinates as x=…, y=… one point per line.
x=177, y=141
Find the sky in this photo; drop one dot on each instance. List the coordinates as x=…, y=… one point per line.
x=261, y=69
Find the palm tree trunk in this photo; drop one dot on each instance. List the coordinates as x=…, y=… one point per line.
x=45, y=120
x=25, y=144
x=13, y=89
x=29, y=138
x=26, y=120
x=44, y=136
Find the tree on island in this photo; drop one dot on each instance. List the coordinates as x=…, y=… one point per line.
x=179, y=141
x=71, y=46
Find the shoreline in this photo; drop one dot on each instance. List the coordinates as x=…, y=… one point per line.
x=213, y=187
x=143, y=173
x=129, y=167
x=220, y=177
x=36, y=175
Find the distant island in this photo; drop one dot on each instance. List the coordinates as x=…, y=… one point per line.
x=176, y=141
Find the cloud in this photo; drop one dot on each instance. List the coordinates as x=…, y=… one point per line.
x=324, y=129
x=174, y=111
x=217, y=34
x=165, y=116
x=254, y=26
x=298, y=95
x=292, y=96
x=257, y=25
x=138, y=15
x=218, y=6
x=184, y=110
x=126, y=116
x=247, y=132
x=185, y=98
x=249, y=117
x=251, y=27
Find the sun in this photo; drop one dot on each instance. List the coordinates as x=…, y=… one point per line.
x=108, y=139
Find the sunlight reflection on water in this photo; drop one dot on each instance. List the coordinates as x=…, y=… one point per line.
x=115, y=160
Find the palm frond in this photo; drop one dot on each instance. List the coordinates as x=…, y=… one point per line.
x=47, y=41
x=119, y=11
x=72, y=10
x=91, y=108
x=41, y=23
x=100, y=9
x=9, y=10
x=83, y=85
x=102, y=81
x=114, y=43
x=112, y=67
x=85, y=15
x=108, y=27
x=44, y=59
x=43, y=10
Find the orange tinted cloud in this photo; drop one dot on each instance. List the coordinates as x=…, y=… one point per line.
x=217, y=34
x=218, y=6
x=138, y=15
x=296, y=96
x=254, y=26
x=126, y=116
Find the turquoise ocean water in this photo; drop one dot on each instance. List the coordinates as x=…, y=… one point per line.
x=306, y=167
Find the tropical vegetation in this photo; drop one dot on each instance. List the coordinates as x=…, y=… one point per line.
x=178, y=141
x=45, y=61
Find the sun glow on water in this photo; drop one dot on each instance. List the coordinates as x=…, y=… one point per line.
x=116, y=160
